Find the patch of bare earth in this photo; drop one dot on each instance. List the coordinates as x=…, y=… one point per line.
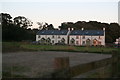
x=40, y=63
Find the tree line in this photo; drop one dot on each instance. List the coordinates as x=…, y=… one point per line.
x=112, y=31
x=18, y=28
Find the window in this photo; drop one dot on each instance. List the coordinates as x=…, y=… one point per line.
x=39, y=36
x=59, y=41
x=95, y=42
x=48, y=40
x=53, y=36
x=88, y=42
x=77, y=37
x=99, y=42
x=99, y=37
x=52, y=32
x=83, y=37
x=77, y=42
x=72, y=41
x=62, y=40
x=62, y=32
x=43, y=40
x=52, y=41
x=83, y=42
x=58, y=36
x=42, y=31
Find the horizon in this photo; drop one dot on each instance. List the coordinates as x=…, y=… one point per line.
x=58, y=12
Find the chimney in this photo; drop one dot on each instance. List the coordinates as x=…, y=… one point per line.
x=68, y=29
x=103, y=29
x=72, y=28
x=82, y=29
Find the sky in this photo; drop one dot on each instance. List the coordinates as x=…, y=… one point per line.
x=119, y=12
x=58, y=11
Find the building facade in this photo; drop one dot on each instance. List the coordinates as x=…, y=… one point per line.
x=117, y=41
x=73, y=37
x=87, y=37
x=52, y=36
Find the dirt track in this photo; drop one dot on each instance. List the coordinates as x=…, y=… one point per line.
x=42, y=62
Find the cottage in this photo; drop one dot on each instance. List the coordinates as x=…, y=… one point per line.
x=52, y=36
x=117, y=41
x=87, y=37
x=72, y=37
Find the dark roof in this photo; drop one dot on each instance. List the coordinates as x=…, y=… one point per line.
x=87, y=32
x=52, y=32
x=74, y=32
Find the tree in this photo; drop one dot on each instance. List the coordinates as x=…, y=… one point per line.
x=66, y=25
x=7, y=25
x=22, y=22
x=5, y=19
x=112, y=30
x=45, y=26
x=42, y=25
x=13, y=32
x=50, y=27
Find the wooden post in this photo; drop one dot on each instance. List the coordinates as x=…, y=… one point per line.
x=118, y=63
x=114, y=63
x=61, y=65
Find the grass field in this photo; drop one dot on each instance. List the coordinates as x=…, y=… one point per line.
x=22, y=46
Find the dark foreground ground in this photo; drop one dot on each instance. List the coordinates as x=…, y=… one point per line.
x=36, y=64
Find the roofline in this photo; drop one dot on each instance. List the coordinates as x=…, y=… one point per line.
x=51, y=34
x=75, y=34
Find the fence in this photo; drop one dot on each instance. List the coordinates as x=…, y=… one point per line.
x=63, y=70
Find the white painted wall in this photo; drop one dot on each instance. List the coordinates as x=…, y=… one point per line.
x=41, y=36
x=80, y=40
x=101, y=39
x=74, y=37
x=62, y=36
x=55, y=39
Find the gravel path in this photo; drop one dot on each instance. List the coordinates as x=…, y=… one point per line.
x=41, y=62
